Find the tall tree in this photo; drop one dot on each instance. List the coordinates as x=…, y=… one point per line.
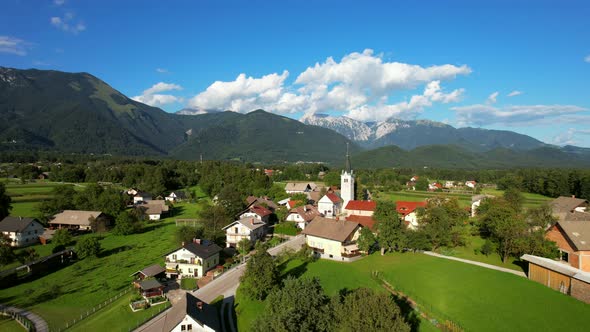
x=366, y=240
x=5, y=201
x=515, y=198
x=390, y=235
x=261, y=274
x=506, y=227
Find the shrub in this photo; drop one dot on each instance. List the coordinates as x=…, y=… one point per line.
x=287, y=228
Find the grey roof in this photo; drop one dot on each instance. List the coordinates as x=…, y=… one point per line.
x=179, y=194
x=149, y=284
x=204, y=250
x=75, y=217
x=250, y=222
x=151, y=271
x=578, y=232
x=557, y=267
x=566, y=204
x=297, y=186
x=208, y=314
x=15, y=224
x=337, y=230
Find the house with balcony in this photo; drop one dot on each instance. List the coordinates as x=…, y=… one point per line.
x=192, y=260
x=303, y=215
x=333, y=239
x=21, y=231
x=247, y=227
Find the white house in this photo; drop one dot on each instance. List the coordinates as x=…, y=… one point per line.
x=408, y=212
x=449, y=184
x=471, y=184
x=141, y=197
x=333, y=239
x=190, y=314
x=330, y=205
x=21, y=231
x=302, y=215
x=250, y=228
x=476, y=201
x=192, y=259
x=414, y=178
x=176, y=196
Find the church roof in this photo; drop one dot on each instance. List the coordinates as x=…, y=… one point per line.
x=347, y=166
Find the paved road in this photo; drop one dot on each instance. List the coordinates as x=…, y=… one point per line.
x=489, y=266
x=40, y=323
x=227, y=283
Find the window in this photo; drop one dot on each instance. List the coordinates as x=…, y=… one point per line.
x=189, y=327
x=183, y=327
x=565, y=256
x=190, y=270
x=345, y=180
x=174, y=257
x=236, y=230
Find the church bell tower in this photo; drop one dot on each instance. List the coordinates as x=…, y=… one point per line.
x=347, y=181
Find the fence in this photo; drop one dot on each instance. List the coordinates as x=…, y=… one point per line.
x=93, y=310
x=22, y=320
x=154, y=314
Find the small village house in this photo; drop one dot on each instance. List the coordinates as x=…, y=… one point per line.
x=330, y=205
x=449, y=184
x=360, y=208
x=190, y=314
x=303, y=215
x=333, y=239
x=262, y=201
x=256, y=211
x=192, y=259
x=471, y=184
x=176, y=196
x=300, y=187
x=364, y=221
x=81, y=220
x=408, y=212
x=142, y=197
x=250, y=228
x=150, y=288
x=21, y=231
x=154, y=271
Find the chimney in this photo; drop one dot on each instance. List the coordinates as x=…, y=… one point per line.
x=200, y=305
x=573, y=196
x=183, y=243
x=197, y=241
x=252, y=221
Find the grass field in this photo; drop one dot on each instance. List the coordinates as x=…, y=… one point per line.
x=118, y=317
x=8, y=324
x=472, y=252
x=88, y=282
x=476, y=298
x=26, y=197
x=531, y=200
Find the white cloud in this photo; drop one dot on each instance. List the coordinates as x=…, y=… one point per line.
x=481, y=115
x=40, y=63
x=568, y=137
x=152, y=96
x=13, y=45
x=492, y=98
x=66, y=23
x=162, y=70
x=587, y=58
x=361, y=84
x=407, y=109
x=59, y=2
x=515, y=93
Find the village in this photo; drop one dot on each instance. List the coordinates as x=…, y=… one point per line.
x=326, y=223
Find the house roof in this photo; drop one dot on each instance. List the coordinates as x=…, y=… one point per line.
x=364, y=221
x=337, y=230
x=333, y=197
x=204, y=250
x=250, y=222
x=566, y=204
x=292, y=203
x=151, y=271
x=15, y=224
x=578, y=232
x=178, y=194
x=152, y=208
x=75, y=217
x=558, y=267
x=142, y=194
x=260, y=210
x=361, y=205
x=297, y=186
x=307, y=212
x=207, y=315
x=150, y=284
x=404, y=207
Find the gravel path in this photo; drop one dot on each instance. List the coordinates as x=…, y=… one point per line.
x=40, y=323
x=489, y=266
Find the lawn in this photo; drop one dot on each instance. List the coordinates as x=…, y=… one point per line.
x=472, y=252
x=118, y=317
x=188, y=283
x=24, y=209
x=476, y=298
x=8, y=324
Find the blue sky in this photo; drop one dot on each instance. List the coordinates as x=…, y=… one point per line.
x=451, y=61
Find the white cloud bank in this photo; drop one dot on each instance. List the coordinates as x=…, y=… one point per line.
x=360, y=84
x=153, y=97
x=568, y=137
x=515, y=115
x=13, y=45
x=67, y=24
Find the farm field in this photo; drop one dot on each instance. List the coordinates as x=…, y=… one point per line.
x=463, y=293
x=26, y=197
x=8, y=324
x=472, y=251
x=64, y=295
x=531, y=200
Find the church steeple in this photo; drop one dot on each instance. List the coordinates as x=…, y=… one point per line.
x=347, y=181
x=347, y=167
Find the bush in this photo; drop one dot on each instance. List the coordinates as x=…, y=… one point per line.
x=88, y=246
x=487, y=248
x=286, y=228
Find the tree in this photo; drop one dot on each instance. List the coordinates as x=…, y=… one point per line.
x=244, y=247
x=5, y=201
x=514, y=197
x=365, y=310
x=300, y=305
x=282, y=212
x=421, y=184
x=300, y=198
x=385, y=210
x=126, y=223
x=214, y=218
x=6, y=252
x=390, y=235
x=88, y=247
x=418, y=240
x=443, y=222
x=62, y=238
x=366, y=240
x=186, y=233
x=332, y=179
x=261, y=274
x=28, y=255
x=506, y=227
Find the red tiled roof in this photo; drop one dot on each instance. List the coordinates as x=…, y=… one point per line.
x=261, y=211
x=438, y=185
x=405, y=208
x=365, y=221
x=333, y=197
x=361, y=205
x=292, y=203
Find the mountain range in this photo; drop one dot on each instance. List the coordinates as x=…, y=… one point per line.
x=79, y=113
